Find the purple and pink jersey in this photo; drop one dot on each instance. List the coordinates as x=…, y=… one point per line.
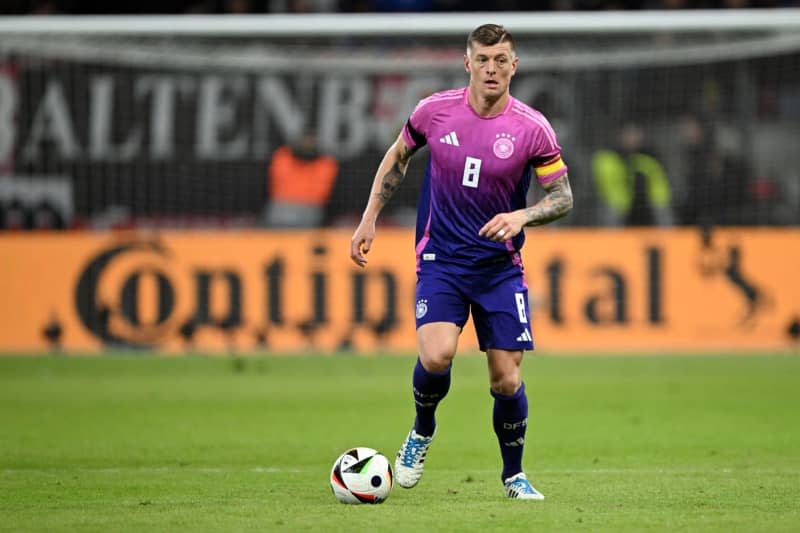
x=478, y=167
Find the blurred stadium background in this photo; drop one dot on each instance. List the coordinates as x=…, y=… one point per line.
x=135, y=154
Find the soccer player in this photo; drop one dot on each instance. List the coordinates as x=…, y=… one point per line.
x=472, y=208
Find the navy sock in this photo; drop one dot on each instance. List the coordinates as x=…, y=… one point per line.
x=429, y=389
x=510, y=419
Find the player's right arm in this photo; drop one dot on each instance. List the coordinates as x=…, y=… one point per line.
x=390, y=174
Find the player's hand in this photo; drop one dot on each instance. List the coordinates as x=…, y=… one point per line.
x=361, y=242
x=503, y=226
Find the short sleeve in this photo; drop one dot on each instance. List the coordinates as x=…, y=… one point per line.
x=546, y=153
x=416, y=125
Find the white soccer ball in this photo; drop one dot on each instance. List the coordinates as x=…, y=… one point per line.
x=361, y=475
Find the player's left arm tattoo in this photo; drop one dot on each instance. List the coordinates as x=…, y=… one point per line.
x=397, y=172
x=554, y=205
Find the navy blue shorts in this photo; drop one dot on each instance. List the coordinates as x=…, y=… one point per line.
x=495, y=294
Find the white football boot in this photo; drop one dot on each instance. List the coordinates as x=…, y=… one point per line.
x=520, y=488
x=411, y=458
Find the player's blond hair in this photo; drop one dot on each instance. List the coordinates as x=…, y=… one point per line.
x=489, y=35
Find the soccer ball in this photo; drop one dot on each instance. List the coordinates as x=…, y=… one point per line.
x=361, y=475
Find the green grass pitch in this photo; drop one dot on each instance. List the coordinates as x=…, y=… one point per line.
x=140, y=443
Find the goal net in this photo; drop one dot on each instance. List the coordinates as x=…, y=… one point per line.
x=172, y=121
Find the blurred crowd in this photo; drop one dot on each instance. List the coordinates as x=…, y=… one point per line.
x=687, y=169
x=86, y=7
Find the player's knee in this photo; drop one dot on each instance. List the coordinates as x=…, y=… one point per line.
x=506, y=384
x=436, y=360
x=436, y=352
